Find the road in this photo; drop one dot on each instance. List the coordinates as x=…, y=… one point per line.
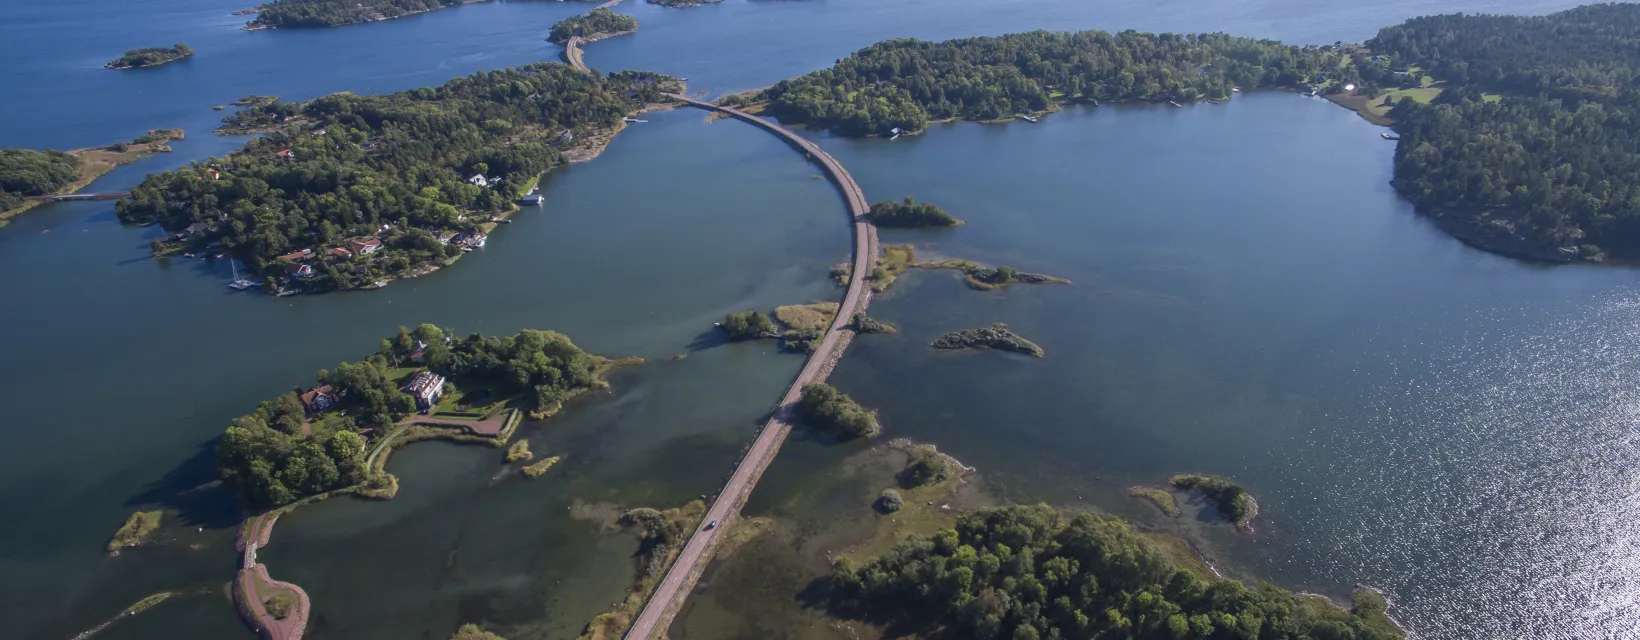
x=680, y=578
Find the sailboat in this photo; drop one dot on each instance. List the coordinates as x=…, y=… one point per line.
x=238, y=282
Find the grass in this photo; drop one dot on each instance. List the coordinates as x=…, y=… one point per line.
x=137, y=530
x=1179, y=553
x=535, y=470
x=1420, y=95
x=895, y=260
x=920, y=515
x=148, y=603
x=815, y=316
x=519, y=451
x=1159, y=497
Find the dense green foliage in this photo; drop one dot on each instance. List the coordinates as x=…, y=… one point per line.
x=396, y=168
x=889, y=501
x=331, y=13
x=863, y=323
x=801, y=340
x=138, y=528
x=597, y=22
x=997, y=336
x=1547, y=171
x=471, y=631
x=910, y=215
x=281, y=453
x=150, y=57
x=1028, y=573
x=1234, y=503
x=28, y=172
x=748, y=325
x=926, y=466
x=907, y=83
x=827, y=409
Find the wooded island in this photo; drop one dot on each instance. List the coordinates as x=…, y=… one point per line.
x=150, y=57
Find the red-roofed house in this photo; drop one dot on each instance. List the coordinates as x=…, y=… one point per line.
x=296, y=256
x=298, y=269
x=318, y=399
x=340, y=252
x=366, y=247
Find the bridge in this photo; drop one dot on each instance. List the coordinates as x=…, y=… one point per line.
x=674, y=587
x=71, y=197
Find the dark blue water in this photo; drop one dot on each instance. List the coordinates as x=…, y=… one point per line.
x=121, y=370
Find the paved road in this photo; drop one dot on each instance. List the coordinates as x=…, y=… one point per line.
x=696, y=553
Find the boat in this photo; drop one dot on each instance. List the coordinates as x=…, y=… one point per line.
x=238, y=282
x=1235, y=89
x=1176, y=104
x=1390, y=136
x=1027, y=118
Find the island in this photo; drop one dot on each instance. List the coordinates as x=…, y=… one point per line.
x=150, y=57
x=307, y=14
x=832, y=412
x=1082, y=576
x=910, y=214
x=421, y=384
x=897, y=258
x=351, y=192
x=997, y=336
x=1514, y=132
x=30, y=177
x=682, y=3
x=800, y=327
x=138, y=529
x=1234, y=503
x=592, y=26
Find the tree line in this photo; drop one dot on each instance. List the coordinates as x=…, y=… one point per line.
x=905, y=84
x=596, y=22
x=1532, y=145
x=284, y=451
x=411, y=169
x=31, y=172
x=1028, y=572
x=332, y=13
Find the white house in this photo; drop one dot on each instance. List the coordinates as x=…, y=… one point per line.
x=479, y=180
x=425, y=387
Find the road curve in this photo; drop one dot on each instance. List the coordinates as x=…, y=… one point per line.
x=680, y=578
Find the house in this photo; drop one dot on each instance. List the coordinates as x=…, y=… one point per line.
x=566, y=137
x=318, y=399
x=479, y=180
x=366, y=247
x=419, y=356
x=340, y=253
x=299, y=269
x=286, y=154
x=212, y=174
x=197, y=228
x=426, y=387
x=531, y=199
x=297, y=256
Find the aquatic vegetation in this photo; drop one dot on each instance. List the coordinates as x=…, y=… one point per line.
x=910, y=215
x=138, y=529
x=539, y=468
x=866, y=324
x=989, y=576
x=1159, y=497
x=926, y=466
x=1234, y=503
x=661, y=535
x=280, y=605
x=519, y=451
x=827, y=409
x=472, y=631
x=997, y=336
x=795, y=341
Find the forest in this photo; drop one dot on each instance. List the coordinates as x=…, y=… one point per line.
x=910, y=214
x=1028, y=572
x=285, y=450
x=415, y=171
x=290, y=14
x=905, y=84
x=28, y=172
x=592, y=24
x=1531, y=148
x=150, y=57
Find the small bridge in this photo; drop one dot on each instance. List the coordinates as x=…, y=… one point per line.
x=71, y=197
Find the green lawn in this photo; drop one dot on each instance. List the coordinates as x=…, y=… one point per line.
x=1421, y=95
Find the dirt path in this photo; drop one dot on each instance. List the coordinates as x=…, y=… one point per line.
x=697, y=552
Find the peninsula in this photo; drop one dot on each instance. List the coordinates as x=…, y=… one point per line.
x=374, y=188
x=1234, y=503
x=150, y=57
x=1515, y=133
x=30, y=177
x=1083, y=576
x=592, y=26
